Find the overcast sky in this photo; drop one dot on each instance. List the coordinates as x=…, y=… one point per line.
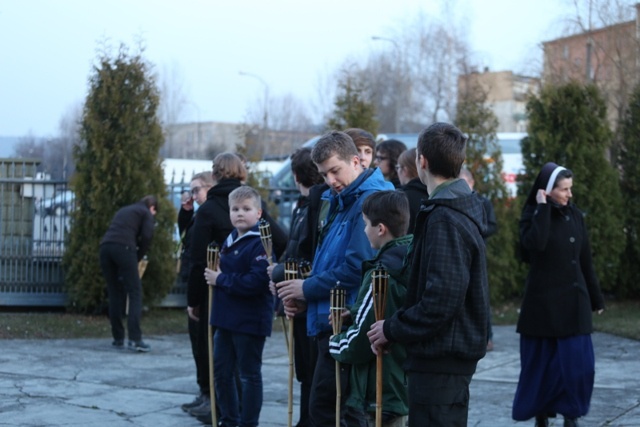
x=47, y=47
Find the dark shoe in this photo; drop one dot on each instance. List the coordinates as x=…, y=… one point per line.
x=118, y=344
x=196, y=402
x=542, y=421
x=205, y=419
x=571, y=422
x=139, y=346
x=203, y=409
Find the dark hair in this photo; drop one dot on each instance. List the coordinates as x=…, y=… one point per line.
x=443, y=145
x=150, y=201
x=304, y=169
x=361, y=137
x=390, y=208
x=392, y=148
x=563, y=174
x=334, y=143
x=228, y=166
x=407, y=160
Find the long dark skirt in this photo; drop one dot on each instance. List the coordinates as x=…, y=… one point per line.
x=556, y=377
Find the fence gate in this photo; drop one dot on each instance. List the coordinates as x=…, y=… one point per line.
x=34, y=223
x=33, y=226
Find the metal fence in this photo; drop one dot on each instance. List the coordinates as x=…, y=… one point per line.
x=34, y=224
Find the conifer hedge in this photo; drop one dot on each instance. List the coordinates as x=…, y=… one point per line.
x=630, y=185
x=568, y=126
x=117, y=163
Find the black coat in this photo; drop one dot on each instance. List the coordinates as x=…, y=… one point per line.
x=132, y=226
x=561, y=289
x=300, y=240
x=416, y=192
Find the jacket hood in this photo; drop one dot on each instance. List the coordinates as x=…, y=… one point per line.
x=416, y=185
x=368, y=180
x=458, y=196
x=223, y=188
x=392, y=253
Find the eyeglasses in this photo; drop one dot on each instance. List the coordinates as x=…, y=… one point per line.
x=195, y=190
x=381, y=158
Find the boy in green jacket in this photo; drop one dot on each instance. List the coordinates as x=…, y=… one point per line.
x=386, y=217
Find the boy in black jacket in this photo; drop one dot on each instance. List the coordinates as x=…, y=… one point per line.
x=443, y=322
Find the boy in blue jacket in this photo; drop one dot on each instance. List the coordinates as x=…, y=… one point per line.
x=386, y=218
x=342, y=246
x=242, y=312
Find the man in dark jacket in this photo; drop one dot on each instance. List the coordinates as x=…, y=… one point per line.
x=301, y=248
x=443, y=322
x=124, y=244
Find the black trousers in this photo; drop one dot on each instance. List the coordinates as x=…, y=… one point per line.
x=438, y=400
x=305, y=362
x=119, y=264
x=198, y=335
x=322, y=404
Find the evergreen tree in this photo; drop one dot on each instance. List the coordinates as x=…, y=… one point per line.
x=484, y=161
x=630, y=185
x=568, y=126
x=117, y=164
x=352, y=109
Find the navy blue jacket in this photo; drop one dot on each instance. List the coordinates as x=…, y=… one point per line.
x=242, y=301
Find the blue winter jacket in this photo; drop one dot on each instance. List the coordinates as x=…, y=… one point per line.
x=342, y=249
x=242, y=301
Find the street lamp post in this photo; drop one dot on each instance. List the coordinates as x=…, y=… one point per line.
x=397, y=80
x=265, y=117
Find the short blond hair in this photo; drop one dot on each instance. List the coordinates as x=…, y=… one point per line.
x=244, y=192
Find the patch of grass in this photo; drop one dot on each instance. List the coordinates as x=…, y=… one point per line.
x=505, y=313
x=620, y=318
x=60, y=325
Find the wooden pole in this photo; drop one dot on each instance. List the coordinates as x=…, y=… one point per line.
x=379, y=282
x=290, y=273
x=213, y=257
x=337, y=304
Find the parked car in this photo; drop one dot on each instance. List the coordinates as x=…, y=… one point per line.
x=60, y=204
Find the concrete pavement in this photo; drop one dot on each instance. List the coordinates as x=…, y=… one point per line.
x=85, y=382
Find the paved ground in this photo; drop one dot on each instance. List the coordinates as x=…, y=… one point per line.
x=86, y=383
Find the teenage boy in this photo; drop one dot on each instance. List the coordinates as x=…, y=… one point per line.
x=386, y=218
x=342, y=247
x=242, y=312
x=365, y=144
x=443, y=322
